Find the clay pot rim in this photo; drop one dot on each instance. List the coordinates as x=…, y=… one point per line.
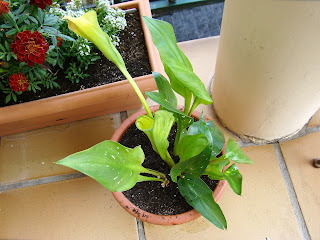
x=150, y=217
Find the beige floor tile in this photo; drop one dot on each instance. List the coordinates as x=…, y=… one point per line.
x=263, y=211
x=31, y=154
x=298, y=155
x=315, y=120
x=74, y=209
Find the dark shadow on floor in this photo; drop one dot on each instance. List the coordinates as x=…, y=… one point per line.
x=197, y=22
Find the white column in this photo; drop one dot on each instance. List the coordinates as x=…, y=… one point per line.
x=267, y=79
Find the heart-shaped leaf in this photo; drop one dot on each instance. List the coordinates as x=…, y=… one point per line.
x=116, y=167
x=191, y=145
x=234, y=153
x=199, y=196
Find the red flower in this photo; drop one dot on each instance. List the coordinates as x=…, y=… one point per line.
x=18, y=82
x=30, y=47
x=41, y=3
x=59, y=41
x=4, y=7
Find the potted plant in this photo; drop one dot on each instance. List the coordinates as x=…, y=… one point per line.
x=91, y=102
x=196, y=146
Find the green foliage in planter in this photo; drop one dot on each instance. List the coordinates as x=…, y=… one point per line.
x=35, y=44
x=198, y=144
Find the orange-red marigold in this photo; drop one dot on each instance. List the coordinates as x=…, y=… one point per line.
x=59, y=41
x=4, y=7
x=30, y=47
x=41, y=3
x=19, y=82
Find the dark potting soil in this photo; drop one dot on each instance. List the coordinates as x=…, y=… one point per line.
x=151, y=196
x=132, y=49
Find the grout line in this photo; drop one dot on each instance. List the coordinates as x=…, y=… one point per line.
x=40, y=181
x=292, y=194
x=313, y=129
x=140, y=227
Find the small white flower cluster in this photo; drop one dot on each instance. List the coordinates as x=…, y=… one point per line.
x=115, y=40
x=74, y=5
x=113, y=22
x=83, y=47
x=103, y=4
x=58, y=11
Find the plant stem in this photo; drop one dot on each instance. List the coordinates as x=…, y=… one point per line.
x=177, y=139
x=155, y=173
x=137, y=90
x=169, y=160
x=145, y=178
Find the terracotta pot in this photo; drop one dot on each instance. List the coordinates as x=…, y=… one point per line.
x=150, y=217
x=106, y=99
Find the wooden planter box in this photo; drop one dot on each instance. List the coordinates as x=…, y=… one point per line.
x=110, y=98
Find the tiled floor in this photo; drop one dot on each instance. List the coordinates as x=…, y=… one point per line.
x=41, y=200
x=37, y=202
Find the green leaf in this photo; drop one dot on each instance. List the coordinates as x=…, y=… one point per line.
x=164, y=88
x=33, y=19
x=8, y=98
x=40, y=16
x=165, y=41
x=188, y=79
x=19, y=10
x=7, y=46
x=21, y=18
x=234, y=153
x=212, y=132
x=194, y=166
x=50, y=20
x=191, y=145
x=234, y=178
x=116, y=167
x=199, y=196
x=11, y=32
x=215, y=167
x=215, y=137
x=14, y=97
x=48, y=30
x=157, y=130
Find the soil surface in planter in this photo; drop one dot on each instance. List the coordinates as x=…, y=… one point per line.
x=151, y=196
x=133, y=51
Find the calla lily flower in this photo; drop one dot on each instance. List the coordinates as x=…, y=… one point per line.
x=87, y=26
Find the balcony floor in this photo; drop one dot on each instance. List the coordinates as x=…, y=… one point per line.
x=41, y=200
